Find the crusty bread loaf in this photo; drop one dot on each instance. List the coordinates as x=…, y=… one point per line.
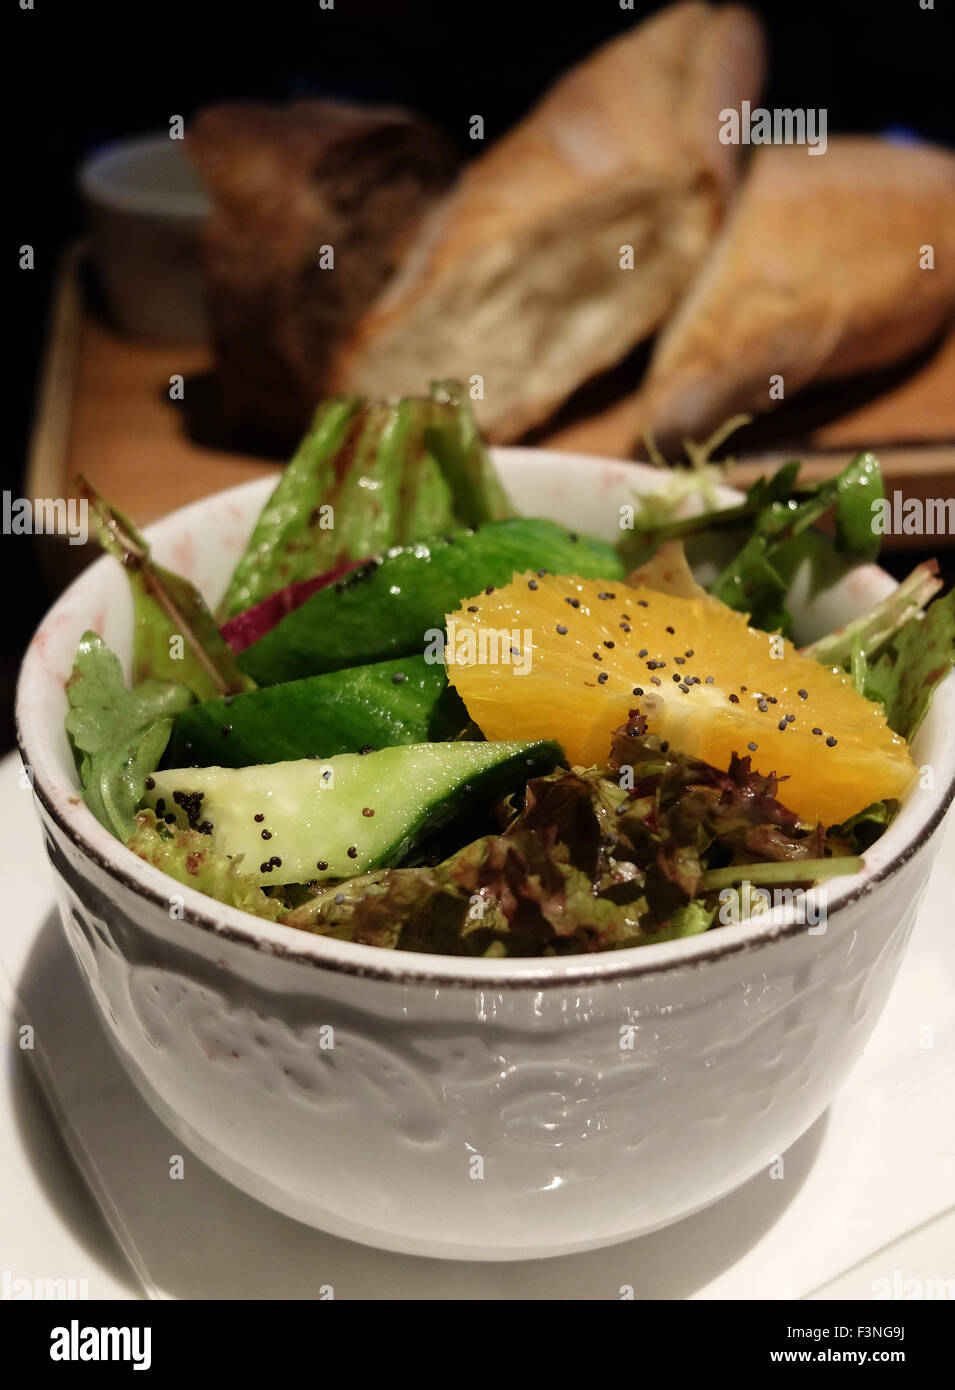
x=286, y=181
x=817, y=275
x=517, y=278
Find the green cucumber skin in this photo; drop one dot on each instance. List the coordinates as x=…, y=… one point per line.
x=321, y=716
x=385, y=610
x=413, y=791
x=473, y=793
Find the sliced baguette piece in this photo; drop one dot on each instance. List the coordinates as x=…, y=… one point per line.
x=816, y=276
x=516, y=277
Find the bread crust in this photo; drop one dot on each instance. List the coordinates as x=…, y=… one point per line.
x=818, y=275
x=516, y=278
x=288, y=181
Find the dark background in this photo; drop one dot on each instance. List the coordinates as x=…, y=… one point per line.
x=82, y=73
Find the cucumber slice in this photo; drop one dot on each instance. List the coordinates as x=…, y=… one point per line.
x=341, y=817
x=385, y=609
x=391, y=702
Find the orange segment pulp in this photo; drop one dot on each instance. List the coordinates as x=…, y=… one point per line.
x=568, y=659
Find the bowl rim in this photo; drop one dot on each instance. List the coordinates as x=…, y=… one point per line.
x=74, y=819
x=107, y=178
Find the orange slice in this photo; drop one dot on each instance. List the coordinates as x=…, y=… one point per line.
x=564, y=658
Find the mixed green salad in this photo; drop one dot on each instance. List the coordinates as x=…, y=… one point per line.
x=301, y=755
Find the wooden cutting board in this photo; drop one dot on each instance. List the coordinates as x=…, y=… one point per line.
x=105, y=411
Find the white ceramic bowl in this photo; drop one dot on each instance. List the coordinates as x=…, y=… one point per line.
x=146, y=207
x=468, y=1108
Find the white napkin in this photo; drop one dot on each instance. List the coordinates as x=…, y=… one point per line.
x=878, y=1165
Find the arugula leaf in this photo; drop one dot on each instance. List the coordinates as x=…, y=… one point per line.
x=368, y=475
x=915, y=662
x=772, y=529
x=751, y=584
x=851, y=492
x=654, y=522
x=756, y=580
x=120, y=734
x=175, y=636
x=858, y=487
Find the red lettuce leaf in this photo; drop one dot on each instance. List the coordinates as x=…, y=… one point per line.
x=594, y=861
x=247, y=627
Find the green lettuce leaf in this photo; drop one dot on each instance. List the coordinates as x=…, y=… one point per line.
x=175, y=636
x=897, y=654
x=769, y=534
x=755, y=580
x=186, y=856
x=655, y=521
x=593, y=861
x=869, y=633
x=864, y=828
x=454, y=439
x=513, y=894
x=368, y=475
x=919, y=657
x=119, y=734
